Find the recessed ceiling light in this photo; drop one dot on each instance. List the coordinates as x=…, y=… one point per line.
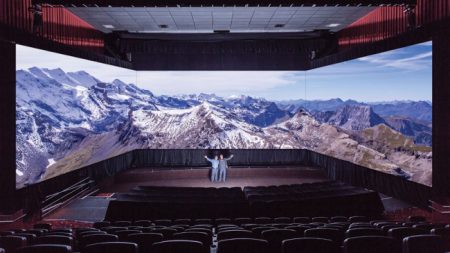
x=279, y=25
x=333, y=25
x=108, y=26
x=163, y=26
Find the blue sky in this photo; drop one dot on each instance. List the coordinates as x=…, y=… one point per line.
x=402, y=74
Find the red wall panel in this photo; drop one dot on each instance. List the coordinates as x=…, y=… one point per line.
x=389, y=21
x=59, y=24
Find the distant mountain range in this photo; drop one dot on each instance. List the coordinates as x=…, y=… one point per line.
x=69, y=120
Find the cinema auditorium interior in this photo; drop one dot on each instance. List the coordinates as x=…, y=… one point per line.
x=225, y=126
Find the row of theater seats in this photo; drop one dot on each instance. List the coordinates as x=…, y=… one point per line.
x=261, y=235
x=321, y=199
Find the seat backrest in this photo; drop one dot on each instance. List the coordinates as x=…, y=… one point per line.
x=320, y=219
x=179, y=246
x=202, y=237
x=30, y=237
x=2, y=250
x=145, y=241
x=11, y=242
x=123, y=234
x=121, y=223
x=338, y=219
x=400, y=233
x=91, y=239
x=333, y=234
x=163, y=222
x=182, y=221
x=309, y=245
x=282, y=220
x=276, y=236
x=45, y=248
x=55, y=239
x=111, y=247
x=263, y=220
x=243, y=245
x=202, y=221
x=167, y=232
x=199, y=229
x=259, y=230
x=143, y=223
x=354, y=232
x=417, y=218
x=371, y=244
x=101, y=224
x=304, y=220
x=244, y=220
x=423, y=244
x=235, y=234
x=357, y=219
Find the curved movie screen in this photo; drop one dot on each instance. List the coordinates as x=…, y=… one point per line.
x=374, y=111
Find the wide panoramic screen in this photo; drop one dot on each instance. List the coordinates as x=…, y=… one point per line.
x=374, y=111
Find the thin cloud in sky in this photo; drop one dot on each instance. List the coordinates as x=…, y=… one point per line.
x=365, y=79
x=219, y=82
x=413, y=58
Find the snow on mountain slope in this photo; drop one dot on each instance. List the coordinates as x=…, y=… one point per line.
x=66, y=121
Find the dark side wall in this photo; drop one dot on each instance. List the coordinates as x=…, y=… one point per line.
x=7, y=123
x=441, y=114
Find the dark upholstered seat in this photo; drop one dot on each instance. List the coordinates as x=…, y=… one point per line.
x=243, y=245
x=309, y=245
x=111, y=247
x=372, y=244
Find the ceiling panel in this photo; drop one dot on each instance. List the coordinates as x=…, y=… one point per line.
x=207, y=19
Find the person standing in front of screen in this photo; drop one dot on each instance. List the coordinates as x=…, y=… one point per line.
x=214, y=168
x=223, y=166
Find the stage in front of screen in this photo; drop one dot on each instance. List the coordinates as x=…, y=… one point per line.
x=200, y=177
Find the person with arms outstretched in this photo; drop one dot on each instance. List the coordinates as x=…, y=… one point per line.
x=214, y=168
x=223, y=166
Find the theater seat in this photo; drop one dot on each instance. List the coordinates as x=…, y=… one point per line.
x=284, y=220
x=338, y=219
x=199, y=229
x=353, y=219
x=400, y=233
x=121, y=223
x=204, y=238
x=320, y=219
x=327, y=233
x=2, y=250
x=167, y=232
x=55, y=239
x=145, y=241
x=372, y=244
x=45, y=248
x=263, y=220
x=354, y=232
x=309, y=245
x=276, y=236
x=11, y=243
x=111, y=247
x=302, y=220
x=179, y=246
x=423, y=244
x=101, y=224
x=235, y=234
x=143, y=223
x=244, y=220
x=445, y=234
x=6, y=233
x=243, y=245
x=91, y=239
x=123, y=234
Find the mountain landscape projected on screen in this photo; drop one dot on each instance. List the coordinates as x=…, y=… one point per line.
x=66, y=121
